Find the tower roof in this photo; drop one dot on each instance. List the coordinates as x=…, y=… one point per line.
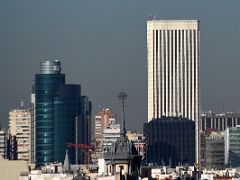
x=50, y=67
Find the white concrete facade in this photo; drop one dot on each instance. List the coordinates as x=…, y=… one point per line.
x=110, y=135
x=226, y=146
x=10, y=170
x=173, y=70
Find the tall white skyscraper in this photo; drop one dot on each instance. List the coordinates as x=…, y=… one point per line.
x=173, y=69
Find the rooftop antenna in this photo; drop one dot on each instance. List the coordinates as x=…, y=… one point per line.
x=150, y=17
x=223, y=105
x=122, y=97
x=22, y=99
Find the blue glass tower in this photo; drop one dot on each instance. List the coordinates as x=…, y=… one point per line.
x=57, y=105
x=66, y=110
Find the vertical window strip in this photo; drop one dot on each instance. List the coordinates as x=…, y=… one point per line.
x=183, y=74
x=160, y=74
x=153, y=75
x=187, y=75
x=168, y=69
x=176, y=74
x=180, y=71
x=157, y=74
x=164, y=46
x=172, y=77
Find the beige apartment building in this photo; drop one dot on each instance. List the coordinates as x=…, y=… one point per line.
x=19, y=126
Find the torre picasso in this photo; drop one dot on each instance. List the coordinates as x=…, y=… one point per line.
x=173, y=70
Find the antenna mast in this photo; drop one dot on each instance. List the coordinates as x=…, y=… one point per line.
x=122, y=97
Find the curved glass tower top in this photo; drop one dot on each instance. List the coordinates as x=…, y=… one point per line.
x=50, y=67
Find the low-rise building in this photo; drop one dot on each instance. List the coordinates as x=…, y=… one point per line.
x=138, y=141
x=212, y=150
x=10, y=170
x=232, y=146
x=110, y=136
x=166, y=172
x=122, y=158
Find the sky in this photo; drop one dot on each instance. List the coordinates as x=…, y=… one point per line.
x=102, y=46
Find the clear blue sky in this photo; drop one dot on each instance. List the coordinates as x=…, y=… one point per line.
x=102, y=46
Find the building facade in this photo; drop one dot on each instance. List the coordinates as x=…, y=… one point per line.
x=59, y=110
x=219, y=121
x=212, y=150
x=102, y=120
x=138, y=141
x=11, y=170
x=110, y=136
x=12, y=147
x=232, y=146
x=120, y=158
x=33, y=128
x=19, y=128
x=170, y=141
x=3, y=143
x=173, y=70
